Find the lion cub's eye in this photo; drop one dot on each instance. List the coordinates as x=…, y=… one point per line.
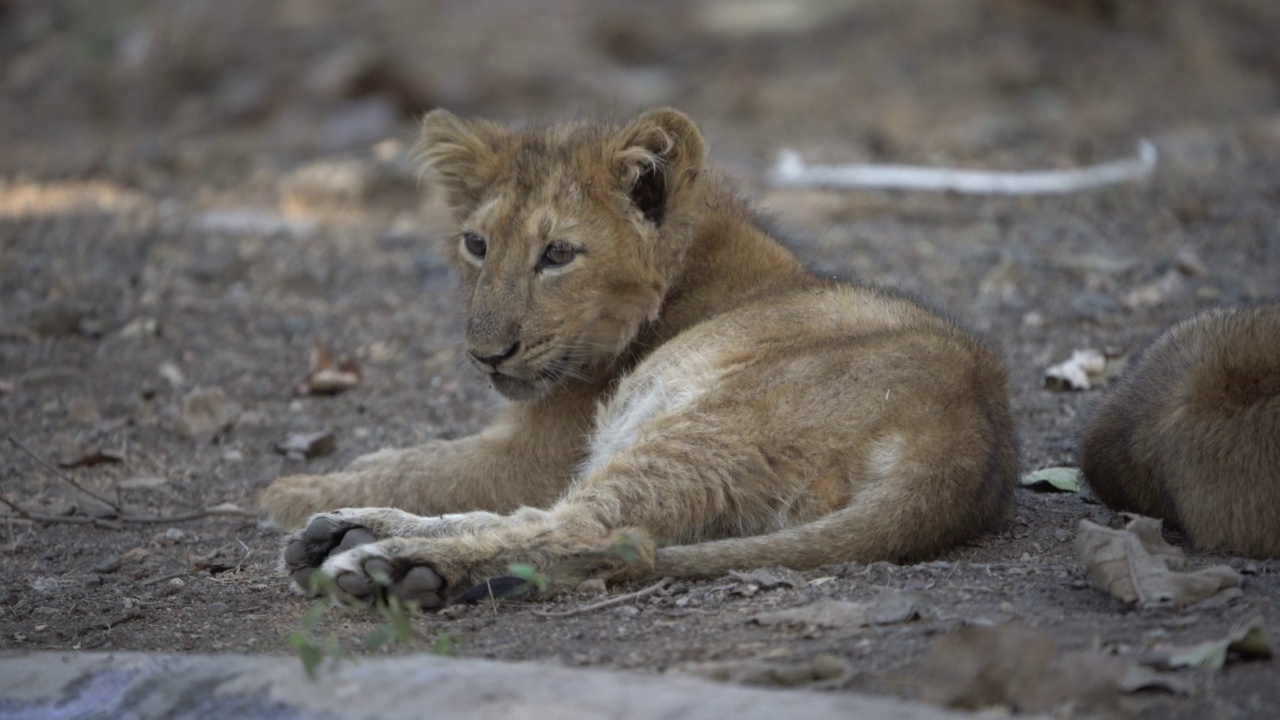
x=475, y=244
x=557, y=255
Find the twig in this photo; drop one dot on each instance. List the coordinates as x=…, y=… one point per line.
x=791, y=171
x=64, y=477
x=165, y=578
x=22, y=514
x=194, y=515
x=119, y=619
x=248, y=553
x=607, y=602
x=121, y=517
x=116, y=522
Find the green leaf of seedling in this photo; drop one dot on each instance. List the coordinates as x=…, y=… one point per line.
x=1061, y=479
x=443, y=646
x=381, y=636
x=529, y=574
x=311, y=657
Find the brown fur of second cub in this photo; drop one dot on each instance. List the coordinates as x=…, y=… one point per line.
x=1191, y=432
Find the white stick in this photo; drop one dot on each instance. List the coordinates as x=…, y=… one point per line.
x=790, y=171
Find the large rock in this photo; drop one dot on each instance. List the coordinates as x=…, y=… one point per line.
x=136, y=685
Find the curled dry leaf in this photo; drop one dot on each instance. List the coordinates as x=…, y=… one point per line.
x=822, y=671
x=1064, y=479
x=1136, y=565
x=299, y=446
x=204, y=413
x=326, y=376
x=1247, y=641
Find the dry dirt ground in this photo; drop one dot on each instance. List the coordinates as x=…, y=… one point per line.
x=193, y=194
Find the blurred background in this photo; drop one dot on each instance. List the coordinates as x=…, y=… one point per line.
x=93, y=84
x=196, y=196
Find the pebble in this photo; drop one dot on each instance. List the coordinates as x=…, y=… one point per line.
x=109, y=564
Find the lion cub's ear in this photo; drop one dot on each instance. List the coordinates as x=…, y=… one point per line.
x=462, y=153
x=660, y=152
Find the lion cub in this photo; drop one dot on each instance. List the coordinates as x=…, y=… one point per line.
x=687, y=398
x=1191, y=433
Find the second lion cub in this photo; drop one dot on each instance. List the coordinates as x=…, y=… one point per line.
x=687, y=398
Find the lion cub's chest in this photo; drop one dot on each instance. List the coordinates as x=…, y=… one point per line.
x=667, y=382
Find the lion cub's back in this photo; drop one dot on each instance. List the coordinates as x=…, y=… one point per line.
x=1191, y=432
x=838, y=385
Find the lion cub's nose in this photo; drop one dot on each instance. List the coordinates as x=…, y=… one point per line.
x=489, y=362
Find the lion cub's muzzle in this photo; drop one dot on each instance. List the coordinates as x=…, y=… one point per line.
x=487, y=362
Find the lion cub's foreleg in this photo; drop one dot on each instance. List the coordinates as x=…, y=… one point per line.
x=527, y=457
x=606, y=525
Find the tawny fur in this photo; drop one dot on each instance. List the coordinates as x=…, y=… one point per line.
x=682, y=387
x=1191, y=432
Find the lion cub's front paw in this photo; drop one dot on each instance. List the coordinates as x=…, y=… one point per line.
x=326, y=534
x=366, y=574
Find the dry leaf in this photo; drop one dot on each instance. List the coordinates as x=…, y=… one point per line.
x=326, y=376
x=93, y=457
x=823, y=670
x=762, y=579
x=204, y=413
x=1084, y=369
x=1064, y=479
x=105, y=427
x=890, y=607
x=1246, y=641
x=1136, y=565
x=299, y=446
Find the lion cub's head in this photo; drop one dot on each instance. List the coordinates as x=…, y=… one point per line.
x=568, y=237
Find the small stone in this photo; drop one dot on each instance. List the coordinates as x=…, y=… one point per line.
x=174, y=535
x=172, y=375
x=218, y=608
x=109, y=564
x=141, y=327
